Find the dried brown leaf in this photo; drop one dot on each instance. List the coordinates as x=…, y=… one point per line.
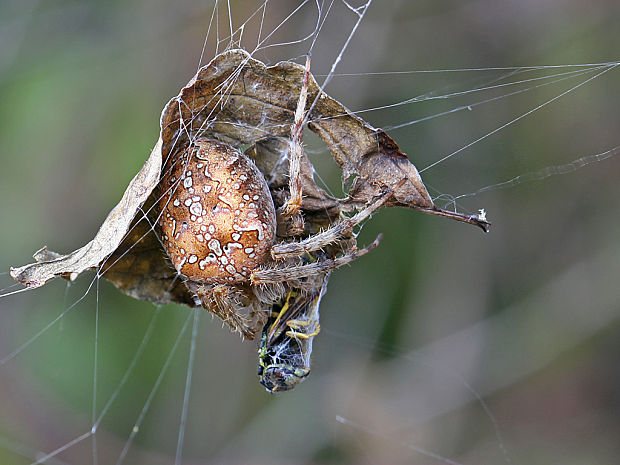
x=241, y=101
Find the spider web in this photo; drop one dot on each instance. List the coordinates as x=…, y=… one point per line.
x=400, y=372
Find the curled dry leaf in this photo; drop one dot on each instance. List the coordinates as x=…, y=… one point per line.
x=240, y=101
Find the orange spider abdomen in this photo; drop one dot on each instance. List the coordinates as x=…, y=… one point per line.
x=217, y=216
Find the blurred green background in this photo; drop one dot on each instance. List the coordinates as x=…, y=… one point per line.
x=525, y=316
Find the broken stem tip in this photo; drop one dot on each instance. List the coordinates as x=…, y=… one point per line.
x=476, y=220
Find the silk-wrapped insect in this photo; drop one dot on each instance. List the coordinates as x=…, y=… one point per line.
x=286, y=343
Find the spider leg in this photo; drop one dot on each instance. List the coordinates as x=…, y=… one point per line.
x=329, y=236
x=297, y=272
x=292, y=208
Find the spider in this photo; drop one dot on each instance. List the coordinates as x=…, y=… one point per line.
x=247, y=255
x=251, y=236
